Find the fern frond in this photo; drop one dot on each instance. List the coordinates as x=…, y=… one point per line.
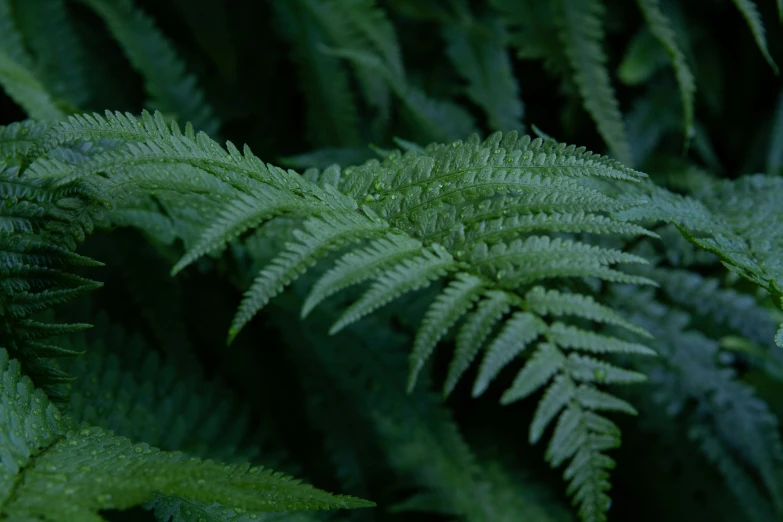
x=751, y=15
x=451, y=304
x=332, y=117
x=365, y=363
x=170, y=89
x=643, y=58
x=51, y=468
x=17, y=75
x=738, y=221
x=476, y=48
x=663, y=32
x=61, y=66
x=732, y=426
x=430, y=119
x=360, y=25
x=16, y=140
x=582, y=34
x=39, y=227
x=183, y=411
x=25, y=89
x=727, y=310
x=538, y=257
x=416, y=196
x=542, y=366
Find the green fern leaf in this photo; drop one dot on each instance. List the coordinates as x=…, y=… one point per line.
x=451, y=304
x=739, y=221
x=476, y=48
x=17, y=139
x=582, y=35
x=318, y=237
x=168, y=86
x=358, y=266
x=25, y=89
x=430, y=119
x=51, y=469
x=332, y=117
x=61, y=66
x=643, y=58
x=584, y=436
x=517, y=333
x=409, y=275
x=751, y=14
x=17, y=75
x=360, y=25
x=663, y=32
x=474, y=332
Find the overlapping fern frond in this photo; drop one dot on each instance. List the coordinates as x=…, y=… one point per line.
x=738, y=221
x=496, y=218
x=54, y=469
x=40, y=226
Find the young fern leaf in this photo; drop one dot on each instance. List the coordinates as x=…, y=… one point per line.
x=663, y=32
x=319, y=236
x=170, y=89
x=582, y=34
x=411, y=274
x=520, y=330
x=359, y=265
x=451, y=304
x=751, y=14
x=474, y=332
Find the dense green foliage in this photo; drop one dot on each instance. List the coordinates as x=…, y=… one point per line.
x=392, y=292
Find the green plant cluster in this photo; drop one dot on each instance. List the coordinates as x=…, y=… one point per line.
x=406, y=288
